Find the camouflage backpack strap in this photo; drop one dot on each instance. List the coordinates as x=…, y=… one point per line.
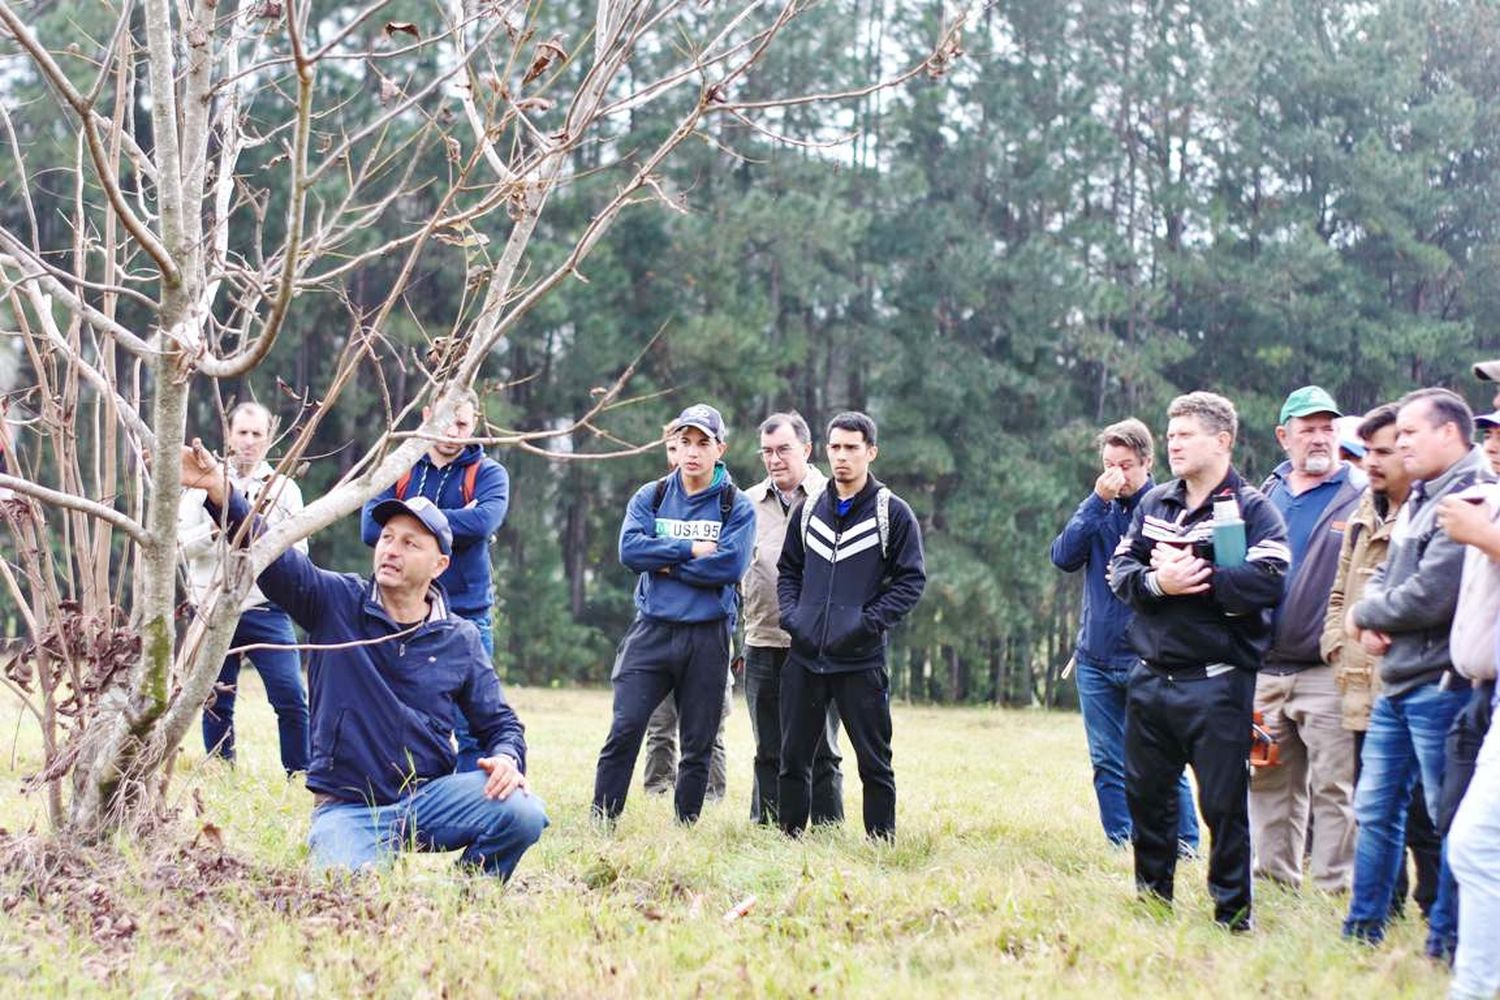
x=813, y=496
x=883, y=518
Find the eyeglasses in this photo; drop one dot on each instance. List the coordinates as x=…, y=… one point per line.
x=780, y=451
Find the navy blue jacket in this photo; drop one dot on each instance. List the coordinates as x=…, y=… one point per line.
x=690, y=590
x=839, y=595
x=382, y=713
x=467, y=578
x=1088, y=542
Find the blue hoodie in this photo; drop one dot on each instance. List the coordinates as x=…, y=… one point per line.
x=690, y=590
x=467, y=578
x=1088, y=543
x=382, y=712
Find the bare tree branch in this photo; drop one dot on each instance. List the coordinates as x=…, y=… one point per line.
x=72, y=502
x=79, y=104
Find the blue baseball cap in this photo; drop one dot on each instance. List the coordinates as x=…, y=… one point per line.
x=703, y=417
x=424, y=510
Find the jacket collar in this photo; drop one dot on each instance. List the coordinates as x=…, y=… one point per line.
x=259, y=474
x=863, y=497
x=437, y=604
x=1344, y=474
x=1229, y=486
x=1471, y=462
x=811, y=483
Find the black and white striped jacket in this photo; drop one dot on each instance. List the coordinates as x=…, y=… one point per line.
x=843, y=582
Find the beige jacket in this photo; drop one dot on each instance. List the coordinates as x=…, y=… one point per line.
x=762, y=615
x=1357, y=672
x=198, y=535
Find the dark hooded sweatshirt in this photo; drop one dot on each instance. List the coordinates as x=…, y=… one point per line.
x=839, y=595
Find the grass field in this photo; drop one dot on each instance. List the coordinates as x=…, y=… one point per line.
x=1000, y=884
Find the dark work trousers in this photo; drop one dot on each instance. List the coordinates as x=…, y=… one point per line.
x=688, y=658
x=1204, y=722
x=280, y=671
x=1422, y=840
x=863, y=698
x=763, y=666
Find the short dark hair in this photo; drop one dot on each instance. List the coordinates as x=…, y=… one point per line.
x=1377, y=420
x=1447, y=407
x=1129, y=433
x=799, y=426
x=853, y=420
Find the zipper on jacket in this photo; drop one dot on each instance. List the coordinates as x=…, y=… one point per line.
x=833, y=566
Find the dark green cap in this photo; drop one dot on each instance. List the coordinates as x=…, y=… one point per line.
x=1306, y=401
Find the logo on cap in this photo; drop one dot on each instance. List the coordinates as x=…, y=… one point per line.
x=703, y=417
x=425, y=511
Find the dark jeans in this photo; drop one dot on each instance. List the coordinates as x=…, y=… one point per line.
x=864, y=704
x=763, y=666
x=280, y=671
x=469, y=750
x=1423, y=842
x=1101, y=698
x=1465, y=737
x=656, y=658
x=1205, y=723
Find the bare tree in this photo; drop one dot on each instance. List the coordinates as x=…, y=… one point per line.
x=181, y=262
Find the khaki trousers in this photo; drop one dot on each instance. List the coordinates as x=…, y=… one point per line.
x=1316, y=774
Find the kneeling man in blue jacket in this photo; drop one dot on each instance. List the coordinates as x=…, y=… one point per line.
x=389, y=666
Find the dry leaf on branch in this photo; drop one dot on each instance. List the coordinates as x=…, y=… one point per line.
x=402, y=27
x=545, y=53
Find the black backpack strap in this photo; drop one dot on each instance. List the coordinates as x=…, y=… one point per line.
x=661, y=493
x=726, y=502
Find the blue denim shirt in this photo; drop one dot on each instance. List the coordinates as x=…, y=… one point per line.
x=1088, y=543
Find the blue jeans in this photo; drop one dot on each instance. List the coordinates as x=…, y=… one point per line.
x=446, y=814
x=280, y=671
x=1405, y=742
x=1101, y=696
x=469, y=750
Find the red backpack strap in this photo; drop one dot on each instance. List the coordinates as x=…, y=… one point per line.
x=402, y=484
x=471, y=476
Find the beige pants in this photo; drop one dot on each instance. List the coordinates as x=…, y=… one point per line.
x=1317, y=764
